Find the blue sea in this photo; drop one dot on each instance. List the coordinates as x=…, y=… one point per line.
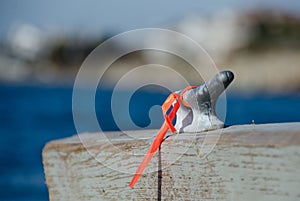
x=32, y=115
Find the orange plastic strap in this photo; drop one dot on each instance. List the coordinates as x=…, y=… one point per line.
x=166, y=106
x=163, y=130
x=169, y=123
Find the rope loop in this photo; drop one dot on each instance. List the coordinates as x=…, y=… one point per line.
x=174, y=100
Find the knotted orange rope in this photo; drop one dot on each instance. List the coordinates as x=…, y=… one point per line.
x=163, y=130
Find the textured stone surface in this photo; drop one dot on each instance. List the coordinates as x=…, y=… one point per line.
x=249, y=162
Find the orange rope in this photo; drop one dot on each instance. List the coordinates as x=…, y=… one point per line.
x=163, y=130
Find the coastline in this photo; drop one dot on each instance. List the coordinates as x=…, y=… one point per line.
x=268, y=71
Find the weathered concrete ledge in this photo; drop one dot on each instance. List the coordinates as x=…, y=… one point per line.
x=248, y=162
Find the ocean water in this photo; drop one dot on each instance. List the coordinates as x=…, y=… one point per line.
x=30, y=116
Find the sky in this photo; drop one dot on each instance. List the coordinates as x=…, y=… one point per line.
x=98, y=16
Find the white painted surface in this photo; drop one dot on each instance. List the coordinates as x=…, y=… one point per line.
x=250, y=162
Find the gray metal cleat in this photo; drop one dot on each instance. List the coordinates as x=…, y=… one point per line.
x=201, y=116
